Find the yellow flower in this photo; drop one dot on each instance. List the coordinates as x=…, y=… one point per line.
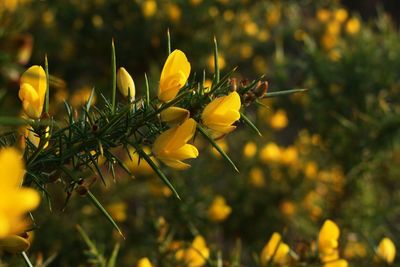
x=32, y=91
x=323, y=15
x=125, y=83
x=275, y=250
x=117, y=211
x=173, y=76
x=171, y=146
x=14, y=200
x=289, y=155
x=250, y=149
x=14, y=244
x=221, y=62
x=174, y=115
x=386, y=250
x=353, y=26
x=279, y=120
x=196, y=255
x=257, y=178
x=81, y=96
x=271, y=152
x=336, y=263
x=149, y=8
x=218, y=210
x=328, y=241
x=174, y=12
x=144, y=262
x=221, y=113
x=341, y=15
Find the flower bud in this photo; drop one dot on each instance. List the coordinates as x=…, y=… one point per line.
x=14, y=244
x=125, y=83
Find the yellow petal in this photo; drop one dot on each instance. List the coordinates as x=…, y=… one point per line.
x=329, y=231
x=33, y=80
x=144, y=262
x=11, y=169
x=337, y=263
x=175, y=164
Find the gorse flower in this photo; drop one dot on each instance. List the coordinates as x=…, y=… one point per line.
x=218, y=210
x=275, y=250
x=174, y=115
x=221, y=113
x=14, y=200
x=171, y=146
x=14, y=244
x=125, y=84
x=196, y=255
x=328, y=244
x=32, y=91
x=386, y=250
x=173, y=76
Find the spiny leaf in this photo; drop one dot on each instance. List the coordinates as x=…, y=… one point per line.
x=284, y=92
x=250, y=123
x=217, y=147
x=98, y=205
x=114, y=76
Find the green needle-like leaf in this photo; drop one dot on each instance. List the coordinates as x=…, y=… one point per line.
x=98, y=205
x=216, y=63
x=217, y=147
x=114, y=76
x=250, y=123
x=169, y=42
x=157, y=169
x=147, y=91
x=284, y=92
x=47, y=96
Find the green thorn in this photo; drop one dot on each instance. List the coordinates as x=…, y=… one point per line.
x=26, y=259
x=285, y=92
x=157, y=170
x=98, y=205
x=147, y=91
x=46, y=69
x=168, y=42
x=217, y=147
x=250, y=123
x=114, y=76
x=216, y=63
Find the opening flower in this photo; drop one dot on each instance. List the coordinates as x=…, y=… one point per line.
x=32, y=91
x=14, y=200
x=221, y=113
x=173, y=76
x=171, y=146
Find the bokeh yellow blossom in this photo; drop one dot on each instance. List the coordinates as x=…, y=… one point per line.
x=278, y=120
x=15, y=200
x=386, y=250
x=275, y=251
x=144, y=262
x=219, y=210
x=196, y=255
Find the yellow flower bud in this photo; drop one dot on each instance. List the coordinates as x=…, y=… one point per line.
x=14, y=244
x=386, y=250
x=174, y=115
x=125, y=83
x=32, y=91
x=174, y=75
x=275, y=250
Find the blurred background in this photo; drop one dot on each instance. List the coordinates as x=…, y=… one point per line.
x=332, y=152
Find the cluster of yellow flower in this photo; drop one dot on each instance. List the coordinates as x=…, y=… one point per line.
x=327, y=247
